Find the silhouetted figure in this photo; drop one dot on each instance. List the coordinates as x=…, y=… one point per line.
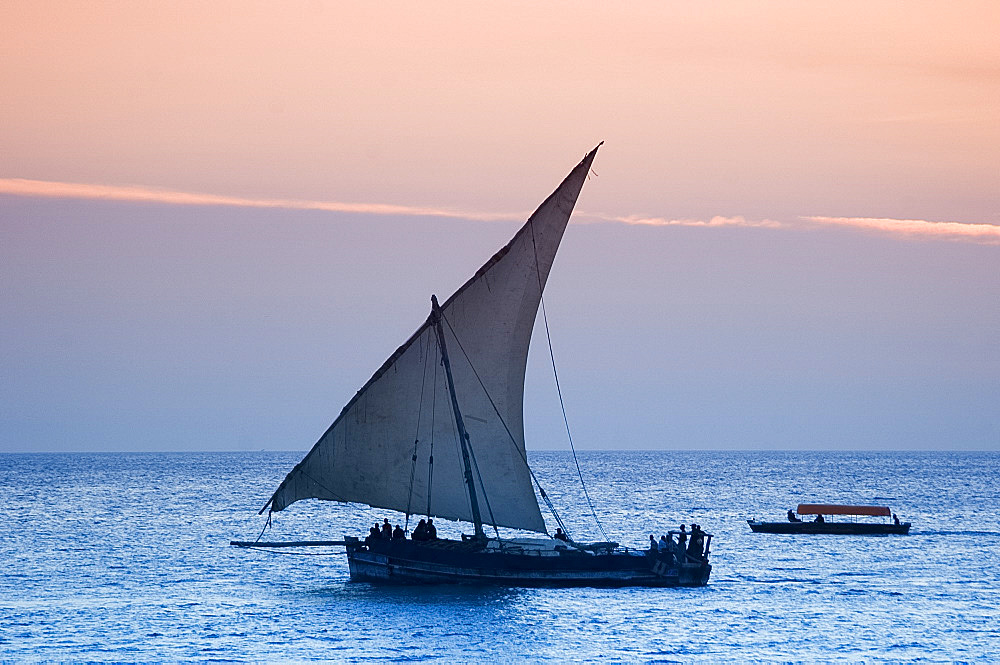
x=373, y=534
x=386, y=529
x=652, y=543
x=895, y=519
x=432, y=532
x=398, y=533
x=792, y=517
x=819, y=519
x=667, y=548
x=560, y=535
x=697, y=541
x=420, y=532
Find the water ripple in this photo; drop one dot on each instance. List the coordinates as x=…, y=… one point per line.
x=125, y=557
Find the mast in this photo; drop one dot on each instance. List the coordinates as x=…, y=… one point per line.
x=463, y=436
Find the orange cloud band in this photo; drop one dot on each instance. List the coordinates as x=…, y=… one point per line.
x=987, y=234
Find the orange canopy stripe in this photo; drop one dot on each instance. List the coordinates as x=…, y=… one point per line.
x=831, y=509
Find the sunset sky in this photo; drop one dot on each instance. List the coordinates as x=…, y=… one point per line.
x=218, y=219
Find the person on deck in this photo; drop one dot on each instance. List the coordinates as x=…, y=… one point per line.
x=432, y=532
x=398, y=533
x=560, y=535
x=420, y=532
x=792, y=517
x=681, y=544
x=653, y=547
x=373, y=534
x=668, y=548
x=697, y=543
x=386, y=529
x=819, y=519
x=895, y=519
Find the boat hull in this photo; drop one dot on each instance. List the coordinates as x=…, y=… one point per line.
x=834, y=528
x=454, y=562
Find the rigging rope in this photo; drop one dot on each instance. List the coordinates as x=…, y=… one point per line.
x=430, y=460
x=458, y=449
x=267, y=523
x=513, y=441
x=555, y=374
x=562, y=405
x=416, y=437
x=475, y=464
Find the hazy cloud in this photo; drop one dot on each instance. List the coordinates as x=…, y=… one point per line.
x=645, y=220
x=988, y=234
x=70, y=190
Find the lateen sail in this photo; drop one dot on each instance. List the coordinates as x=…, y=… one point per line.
x=366, y=456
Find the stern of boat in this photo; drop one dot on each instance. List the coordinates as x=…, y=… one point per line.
x=694, y=574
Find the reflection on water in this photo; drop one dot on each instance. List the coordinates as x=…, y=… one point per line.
x=459, y=596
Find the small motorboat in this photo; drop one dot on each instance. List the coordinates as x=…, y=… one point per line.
x=821, y=524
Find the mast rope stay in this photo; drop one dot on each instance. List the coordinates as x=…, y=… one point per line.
x=562, y=404
x=489, y=508
x=569, y=436
x=416, y=438
x=503, y=422
x=430, y=459
x=458, y=448
x=463, y=435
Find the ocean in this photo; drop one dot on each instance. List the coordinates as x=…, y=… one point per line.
x=126, y=557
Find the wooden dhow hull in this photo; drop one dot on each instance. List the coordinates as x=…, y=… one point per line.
x=457, y=562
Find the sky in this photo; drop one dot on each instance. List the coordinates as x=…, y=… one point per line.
x=218, y=219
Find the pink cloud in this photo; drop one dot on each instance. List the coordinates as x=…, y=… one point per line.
x=717, y=221
x=986, y=234
x=70, y=190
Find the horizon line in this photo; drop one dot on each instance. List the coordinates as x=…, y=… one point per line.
x=537, y=450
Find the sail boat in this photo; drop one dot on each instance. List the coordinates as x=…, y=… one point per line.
x=438, y=430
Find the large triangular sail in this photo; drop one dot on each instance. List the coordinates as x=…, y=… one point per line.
x=381, y=448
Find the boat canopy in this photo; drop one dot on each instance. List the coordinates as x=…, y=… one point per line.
x=832, y=509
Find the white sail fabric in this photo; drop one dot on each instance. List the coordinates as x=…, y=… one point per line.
x=366, y=456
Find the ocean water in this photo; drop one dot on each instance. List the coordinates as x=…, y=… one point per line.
x=125, y=557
